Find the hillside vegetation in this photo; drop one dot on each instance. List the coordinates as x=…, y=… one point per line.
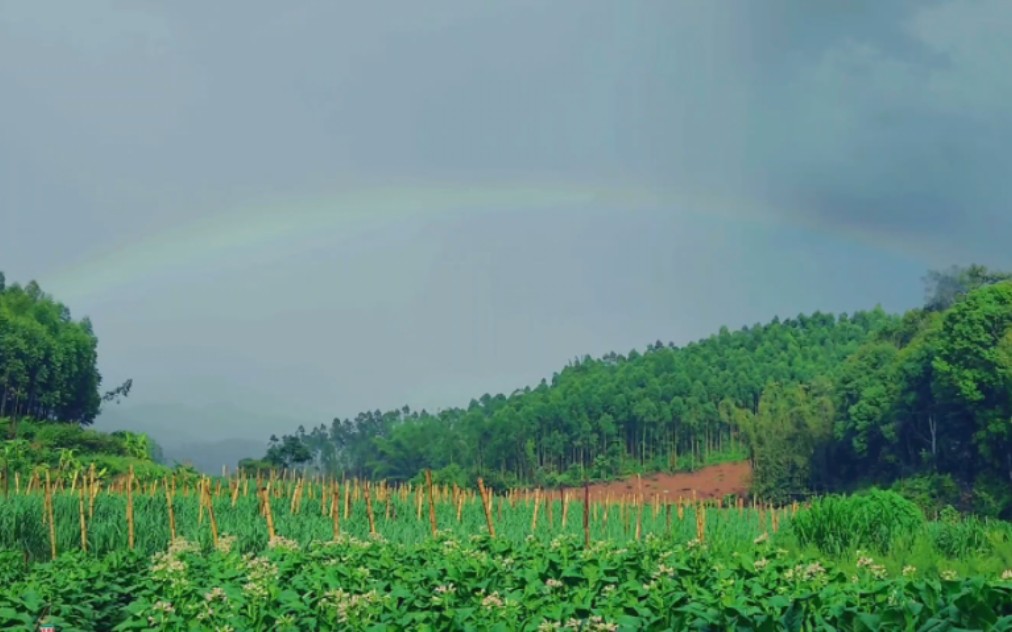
x=49, y=392
x=816, y=403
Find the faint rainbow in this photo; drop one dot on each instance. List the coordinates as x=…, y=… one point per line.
x=260, y=228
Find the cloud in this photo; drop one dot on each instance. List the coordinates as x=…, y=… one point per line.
x=906, y=142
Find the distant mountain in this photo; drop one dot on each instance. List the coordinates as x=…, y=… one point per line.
x=207, y=437
x=211, y=457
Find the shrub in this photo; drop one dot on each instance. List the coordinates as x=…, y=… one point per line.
x=954, y=535
x=875, y=519
x=932, y=492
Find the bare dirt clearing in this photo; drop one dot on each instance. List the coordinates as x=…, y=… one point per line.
x=715, y=481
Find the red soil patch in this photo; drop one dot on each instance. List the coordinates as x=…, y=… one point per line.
x=715, y=481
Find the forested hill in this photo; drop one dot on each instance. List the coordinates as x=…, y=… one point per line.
x=815, y=402
x=650, y=410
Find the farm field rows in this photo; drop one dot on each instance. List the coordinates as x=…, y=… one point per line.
x=291, y=555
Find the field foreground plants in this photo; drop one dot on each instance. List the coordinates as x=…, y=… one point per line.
x=303, y=555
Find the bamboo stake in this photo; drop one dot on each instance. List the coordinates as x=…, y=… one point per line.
x=84, y=524
x=347, y=500
x=52, y=520
x=335, y=511
x=639, y=517
x=586, y=515
x=267, y=512
x=565, y=508
x=432, y=506
x=485, y=503
x=210, y=513
x=534, y=519
x=130, y=508
x=368, y=509
x=172, y=513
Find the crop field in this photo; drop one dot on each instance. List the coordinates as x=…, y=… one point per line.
x=246, y=554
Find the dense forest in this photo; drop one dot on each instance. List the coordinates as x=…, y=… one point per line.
x=816, y=402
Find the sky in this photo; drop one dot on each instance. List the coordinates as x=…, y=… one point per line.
x=296, y=211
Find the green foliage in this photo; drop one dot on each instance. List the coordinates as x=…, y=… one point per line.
x=664, y=409
x=47, y=360
x=954, y=535
x=875, y=520
x=490, y=584
x=67, y=448
x=931, y=492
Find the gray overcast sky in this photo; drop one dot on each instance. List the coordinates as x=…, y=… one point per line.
x=315, y=208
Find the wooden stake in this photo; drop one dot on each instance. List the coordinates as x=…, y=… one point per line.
x=335, y=511
x=368, y=509
x=347, y=500
x=432, y=506
x=534, y=519
x=130, y=508
x=52, y=518
x=172, y=513
x=639, y=518
x=80, y=512
x=586, y=515
x=267, y=511
x=486, y=505
x=210, y=513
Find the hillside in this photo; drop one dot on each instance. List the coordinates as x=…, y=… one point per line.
x=815, y=403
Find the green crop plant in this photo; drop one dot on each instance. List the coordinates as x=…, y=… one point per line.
x=876, y=520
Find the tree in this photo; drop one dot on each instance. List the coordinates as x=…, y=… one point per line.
x=973, y=374
x=943, y=289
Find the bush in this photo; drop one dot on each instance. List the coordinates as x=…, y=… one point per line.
x=955, y=536
x=875, y=519
x=992, y=498
x=932, y=492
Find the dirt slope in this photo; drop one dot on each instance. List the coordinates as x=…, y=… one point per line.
x=715, y=481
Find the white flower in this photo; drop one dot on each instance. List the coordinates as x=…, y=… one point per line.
x=225, y=543
x=813, y=570
x=216, y=594
x=492, y=601
x=762, y=538
x=909, y=570
x=1007, y=574
x=282, y=543
x=761, y=564
x=948, y=575
x=182, y=545
x=163, y=607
